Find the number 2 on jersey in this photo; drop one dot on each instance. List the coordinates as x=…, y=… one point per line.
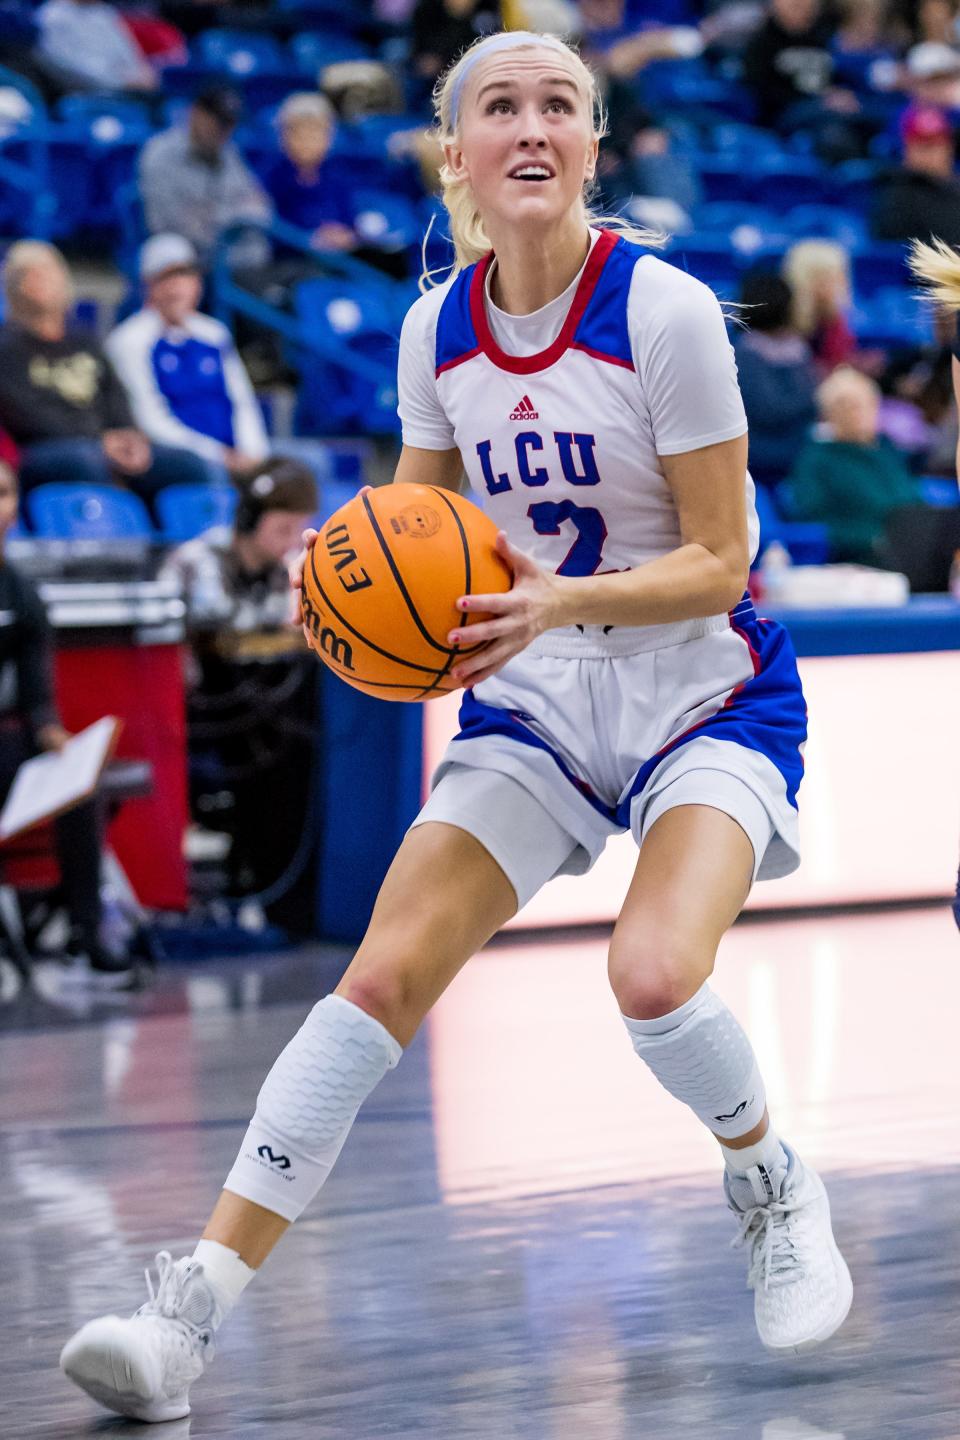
x=584, y=555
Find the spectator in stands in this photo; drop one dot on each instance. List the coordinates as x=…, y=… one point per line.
x=857, y=484
x=192, y=16
x=303, y=192
x=194, y=181
x=249, y=701
x=788, y=58
x=933, y=59
x=640, y=160
x=30, y=724
x=441, y=29
x=236, y=578
x=60, y=399
x=818, y=273
x=789, y=65
x=852, y=478
x=184, y=379
x=92, y=47
x=777, y=377
x=922, y=198
x=866, y=45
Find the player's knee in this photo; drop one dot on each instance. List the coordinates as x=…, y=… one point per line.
x=656, y=975
x=385, y=993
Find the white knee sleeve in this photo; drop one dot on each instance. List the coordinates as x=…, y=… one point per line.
x=702, y=1056
x=307, y=1105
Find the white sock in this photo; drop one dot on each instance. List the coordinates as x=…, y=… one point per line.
x=227, y=1274
x=755, y=1174
x=700, y=1053
x=307, y=1105
x=768, y=1153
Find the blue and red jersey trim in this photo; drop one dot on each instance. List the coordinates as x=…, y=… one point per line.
x=596, y=322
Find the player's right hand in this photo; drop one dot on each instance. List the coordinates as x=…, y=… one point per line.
x=295, y=571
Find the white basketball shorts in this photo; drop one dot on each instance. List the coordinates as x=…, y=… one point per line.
x=587, y=734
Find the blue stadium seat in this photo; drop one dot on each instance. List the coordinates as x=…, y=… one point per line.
x=854, y=183
x=828, y=222
x=719, y=216
x=347, y=322
x=788, y=180
x=187, y=510
x=94, y=146
x=312, y=50
x=710, y=258
x=727, y=179
x=940, y=492
x=65, y=511
x=806, y=542
x=879, y=267
x=384, y=220
x=241, y=53
x=688, y=85
x=106, y=118
x=327, y=14
x=892, y=318
x=257, y=63
x=731, y=139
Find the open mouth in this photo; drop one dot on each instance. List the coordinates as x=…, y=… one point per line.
x=532, y=174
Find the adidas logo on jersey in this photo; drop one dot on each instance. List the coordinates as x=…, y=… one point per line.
x=525, y=410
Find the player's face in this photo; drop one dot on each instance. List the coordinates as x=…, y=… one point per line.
x=526, y=141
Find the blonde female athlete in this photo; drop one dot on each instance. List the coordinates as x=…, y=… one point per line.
x=589, y=391
x=937, y=267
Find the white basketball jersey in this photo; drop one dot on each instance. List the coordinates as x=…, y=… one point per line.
x=561, y=447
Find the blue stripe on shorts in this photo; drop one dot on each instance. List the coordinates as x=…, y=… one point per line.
x=767, y=714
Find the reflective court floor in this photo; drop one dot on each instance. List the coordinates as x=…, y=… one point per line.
x=525, y=1238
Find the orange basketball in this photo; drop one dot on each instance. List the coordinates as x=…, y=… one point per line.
x=381, y=585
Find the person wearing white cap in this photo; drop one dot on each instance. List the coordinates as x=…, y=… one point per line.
x=185, y=381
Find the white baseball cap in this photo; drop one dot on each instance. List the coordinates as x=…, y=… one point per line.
x=166, y=252
x=932, y=59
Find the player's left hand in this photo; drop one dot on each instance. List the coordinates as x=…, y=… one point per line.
x=519, y=615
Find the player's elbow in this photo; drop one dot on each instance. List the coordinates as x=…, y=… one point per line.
x=732, y=572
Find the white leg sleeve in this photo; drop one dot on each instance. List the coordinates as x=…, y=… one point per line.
x=702, y=1056
x=307, y=1105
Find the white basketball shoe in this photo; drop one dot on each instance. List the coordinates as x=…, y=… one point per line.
x=802, y=1287
x=143, y=1367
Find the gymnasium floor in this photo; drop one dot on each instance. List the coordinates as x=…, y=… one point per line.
x=524, y=1238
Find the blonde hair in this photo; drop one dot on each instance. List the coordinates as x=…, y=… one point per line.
x=21, y=258
x=803, y=264
x=470, y=241
x=840, y=382
x=937, y=267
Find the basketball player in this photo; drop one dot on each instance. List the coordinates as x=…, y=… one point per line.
x=589, y=391
x=937, y=267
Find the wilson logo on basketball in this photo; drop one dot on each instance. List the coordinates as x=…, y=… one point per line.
x=525, y=410
x=325, y=640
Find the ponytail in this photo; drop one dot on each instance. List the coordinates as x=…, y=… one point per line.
x=937, y=267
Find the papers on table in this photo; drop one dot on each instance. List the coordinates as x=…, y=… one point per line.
x=51, y=783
